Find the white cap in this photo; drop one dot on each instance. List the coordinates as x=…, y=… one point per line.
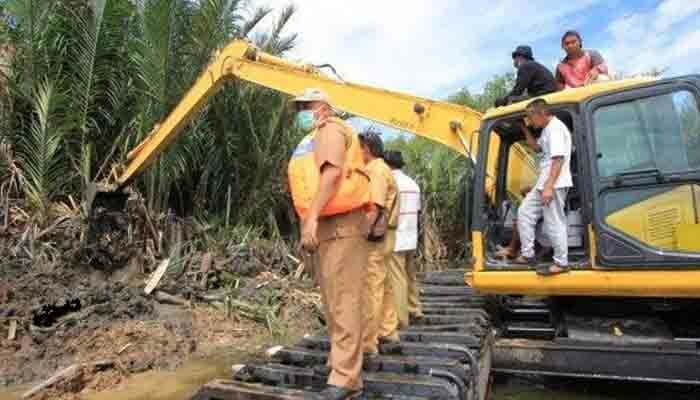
x=312, y=94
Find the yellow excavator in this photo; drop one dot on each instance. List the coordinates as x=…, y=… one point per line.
x=628, y=309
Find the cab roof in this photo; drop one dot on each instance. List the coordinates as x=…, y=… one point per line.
x=570, y=96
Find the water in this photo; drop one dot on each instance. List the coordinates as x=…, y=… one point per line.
x=181, y=384
x=538, y=388
x=184, y=383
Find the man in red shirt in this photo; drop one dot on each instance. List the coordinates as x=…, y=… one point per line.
x=580, y=67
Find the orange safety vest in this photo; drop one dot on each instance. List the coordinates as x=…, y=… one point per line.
x=304, y=176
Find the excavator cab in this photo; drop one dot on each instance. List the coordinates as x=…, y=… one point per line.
x=513, y=183
x=629, y=304
x=634, y=204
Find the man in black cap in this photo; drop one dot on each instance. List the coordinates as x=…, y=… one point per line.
x=532, y=76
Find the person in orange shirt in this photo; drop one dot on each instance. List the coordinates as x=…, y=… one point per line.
x=380, y=310
x=333, y=216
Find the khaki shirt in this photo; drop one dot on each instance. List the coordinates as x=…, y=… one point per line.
x=331, y=143
x=383, y=189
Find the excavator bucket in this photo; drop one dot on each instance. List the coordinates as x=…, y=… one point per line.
x=98, y=196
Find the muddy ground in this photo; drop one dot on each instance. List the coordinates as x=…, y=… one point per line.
x=73, y=294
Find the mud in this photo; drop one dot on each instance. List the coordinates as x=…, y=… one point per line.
x=63, y=317
x=76, y=295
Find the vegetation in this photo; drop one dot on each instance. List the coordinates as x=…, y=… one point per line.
x=496, y=87
x=83, y=81
x=444, y=177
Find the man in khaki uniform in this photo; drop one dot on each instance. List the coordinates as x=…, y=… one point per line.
x=381, y=315
x=339, y=243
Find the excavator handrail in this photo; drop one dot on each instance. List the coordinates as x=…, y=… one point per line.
x=452, y=125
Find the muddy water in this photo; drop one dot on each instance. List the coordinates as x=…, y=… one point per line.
x=178, y=385
x=183, y=383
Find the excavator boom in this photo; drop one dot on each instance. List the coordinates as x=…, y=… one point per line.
x=448, y=124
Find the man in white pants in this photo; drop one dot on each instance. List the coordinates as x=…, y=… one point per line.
x=548, y=197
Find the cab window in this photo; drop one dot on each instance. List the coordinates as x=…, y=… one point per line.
x=660, y=132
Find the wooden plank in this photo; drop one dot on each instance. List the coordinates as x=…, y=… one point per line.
x=66, y=375
x=12, y=333
x=157, y=276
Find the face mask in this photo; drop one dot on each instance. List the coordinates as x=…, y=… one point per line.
x=305, y=120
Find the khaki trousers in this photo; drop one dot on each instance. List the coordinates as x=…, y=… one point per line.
x=342, y=275
x=397, y=278
x=414, y=306
x=380, y=310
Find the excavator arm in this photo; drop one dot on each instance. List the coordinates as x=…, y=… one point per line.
x=448, y=124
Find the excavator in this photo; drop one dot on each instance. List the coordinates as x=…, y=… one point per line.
x=629, y=309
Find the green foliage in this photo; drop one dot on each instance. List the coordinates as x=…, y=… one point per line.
x=443, y=176
x=87, y=80
x=498, y=86
x=39, y=150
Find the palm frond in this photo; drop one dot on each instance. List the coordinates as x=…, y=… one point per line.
x=39, y=152
x=273, y=40
x=251, y=23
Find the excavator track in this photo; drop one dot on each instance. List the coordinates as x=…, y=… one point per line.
x=464, y=336
x=446, y=355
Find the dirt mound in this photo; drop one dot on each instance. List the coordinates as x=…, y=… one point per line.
x=59, y=292
x=55, y=309
x=71, y=297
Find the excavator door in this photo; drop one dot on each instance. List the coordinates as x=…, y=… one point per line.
x=645, y=166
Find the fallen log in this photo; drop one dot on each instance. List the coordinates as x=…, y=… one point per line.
x=166, y=298
x=12, y=333
x=67, y=376
x=157, y=276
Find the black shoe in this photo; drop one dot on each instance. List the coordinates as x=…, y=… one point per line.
x=389, y=340
x=337, y=393
x=416, y=317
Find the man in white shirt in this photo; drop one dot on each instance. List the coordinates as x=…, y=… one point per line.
x=547, y=199
x=402, y=267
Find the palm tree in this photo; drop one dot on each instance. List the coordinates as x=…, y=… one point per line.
x=120, y=66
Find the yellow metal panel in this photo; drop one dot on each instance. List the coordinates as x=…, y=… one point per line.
x=689, y=237
x=592, y=246
x=389, y=108
x=669, y=283
x=570, y=95
x=478, y=251
x=522, y=171
x=655, y=221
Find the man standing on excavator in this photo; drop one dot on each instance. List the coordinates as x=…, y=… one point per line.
x=533, y=78
x=548, y=197
x=330, y=193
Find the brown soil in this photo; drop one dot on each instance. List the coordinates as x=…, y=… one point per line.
x=75, y=303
